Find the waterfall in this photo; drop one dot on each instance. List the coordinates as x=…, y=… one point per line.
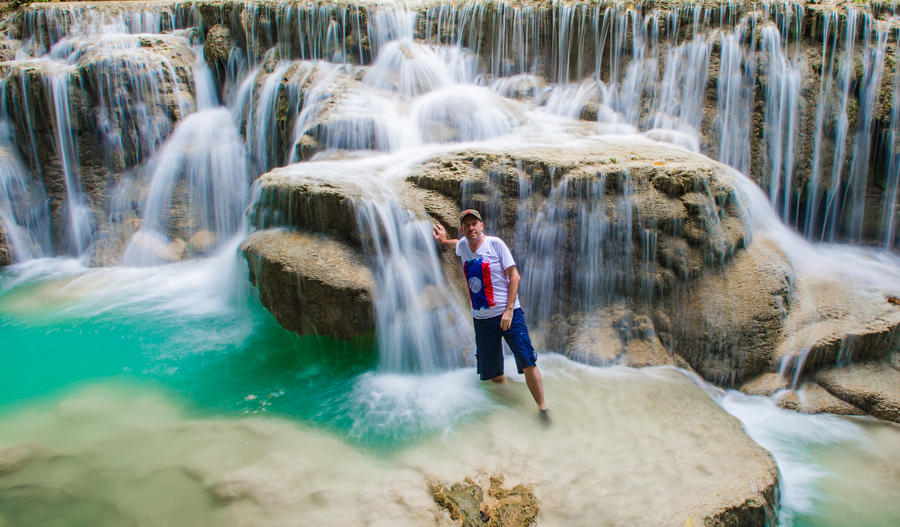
x=830, y=226
x=734, y=100
x=855, y=194
x=419, y=325
x=782, y=96
x=24, y=218
x=889, y=212
x=132, y=133
x=202, y=170
x=79, y=225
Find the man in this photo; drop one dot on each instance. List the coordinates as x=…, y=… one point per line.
x=493, y=291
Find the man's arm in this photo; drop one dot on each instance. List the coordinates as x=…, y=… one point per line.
x=513, y=274
x=440, y=236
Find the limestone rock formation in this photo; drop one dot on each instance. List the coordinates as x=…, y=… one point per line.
x=638, y=190
x=831, y=320
x=811, y=398
x=473, y=506
x=738, y=312
x=871, y=386
x=311, y=283
x=110, y=122
x=616, y=335
x=5, y=252
x=668, y=436
x=216, y=51
x=766, y=384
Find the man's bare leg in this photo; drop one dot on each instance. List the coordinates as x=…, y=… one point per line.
x=500, y=379
x=535, y=385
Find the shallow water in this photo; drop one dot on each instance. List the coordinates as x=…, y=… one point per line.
x=154, y=397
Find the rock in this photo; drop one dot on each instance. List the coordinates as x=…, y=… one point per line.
x=13, y=458
x=697, y=457
x=765, y=384
x=788, y=400
x=617, y=336
x=307, y=147
x=871, y=386
x=728, y=324
x=115, y=122
x=816, y=400
x=679, y=197
x=288, y=197
x=495, y=506
x=8, y=48
x=216, y=51
x=660, y=451
x=524, y=86
x=313, y=284
x=201, y=242
x=150, y=248
x=5, y=250
x=834, y=320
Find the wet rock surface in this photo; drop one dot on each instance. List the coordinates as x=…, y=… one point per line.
x=266, y=470
x=814, y=399
x=474, y=505
x=831, y=321
x=871, y=386
x=112, y=124
x=311, y=283
x=5, y=251
x=739, y=313
x=710, y=297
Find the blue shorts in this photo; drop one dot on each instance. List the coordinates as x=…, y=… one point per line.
x=489, y=351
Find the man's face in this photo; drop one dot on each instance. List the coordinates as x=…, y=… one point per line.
x=472, y=228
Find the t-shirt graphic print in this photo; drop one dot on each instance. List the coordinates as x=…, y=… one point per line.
x=485, y=272
x=481, y=288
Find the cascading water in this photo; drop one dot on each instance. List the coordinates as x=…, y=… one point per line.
x=420, y=328
x=23, y=213
x=204, y=155
x=780, y=132
x=79, y=224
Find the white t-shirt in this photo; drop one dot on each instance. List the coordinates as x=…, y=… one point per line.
x=484, y=271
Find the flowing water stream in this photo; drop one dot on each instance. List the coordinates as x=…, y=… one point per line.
x=156, y=390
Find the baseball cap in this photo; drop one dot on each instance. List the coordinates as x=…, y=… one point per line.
x=469, y=212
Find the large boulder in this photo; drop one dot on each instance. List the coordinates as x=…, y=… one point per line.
x=636, y=191
x=311, y=283
x=582, y=220
x=729, y=324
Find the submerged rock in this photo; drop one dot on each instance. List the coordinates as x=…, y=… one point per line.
x=627, y=447
x=473, y=505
